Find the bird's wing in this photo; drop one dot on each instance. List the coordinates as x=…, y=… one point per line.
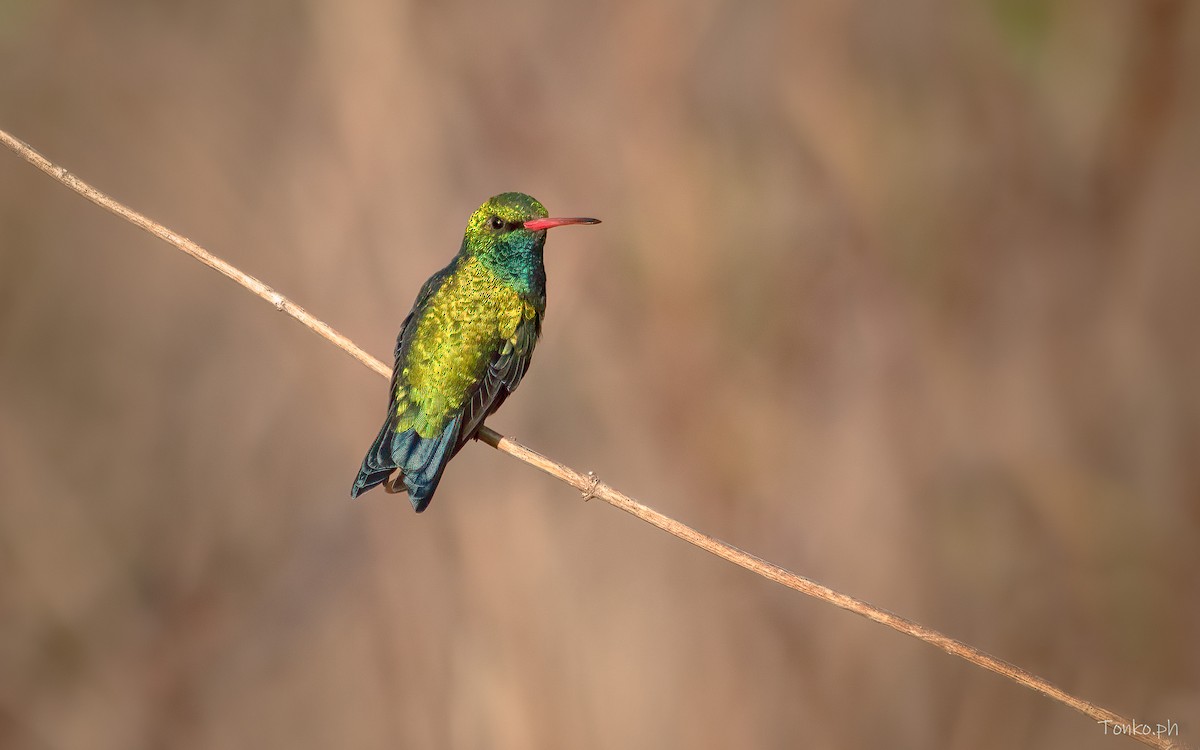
x=428, y=289
x=431, y=285
x=503, y=375
x=380, y=460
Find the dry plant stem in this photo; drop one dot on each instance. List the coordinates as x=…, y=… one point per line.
x=591, y=487
x=281, y=303
x=588, y=484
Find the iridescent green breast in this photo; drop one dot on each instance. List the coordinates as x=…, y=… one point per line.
x=462, y=326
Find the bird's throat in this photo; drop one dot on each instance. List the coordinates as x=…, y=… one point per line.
x=518, y=265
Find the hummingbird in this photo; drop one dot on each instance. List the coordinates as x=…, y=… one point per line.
x=464, y=346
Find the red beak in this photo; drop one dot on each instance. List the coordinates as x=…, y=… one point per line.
x=538, y=225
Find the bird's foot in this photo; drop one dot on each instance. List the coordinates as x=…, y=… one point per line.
x=593, y=483
x=389, y=484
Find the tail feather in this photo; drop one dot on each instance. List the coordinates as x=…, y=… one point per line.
x=378, y=464
x=424, y=461
x=420, y=461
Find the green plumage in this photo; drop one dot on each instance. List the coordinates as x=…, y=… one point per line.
x=461, y=328
x=464, y=346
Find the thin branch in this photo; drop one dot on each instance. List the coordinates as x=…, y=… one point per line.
x=591, y=487
x=281, y=303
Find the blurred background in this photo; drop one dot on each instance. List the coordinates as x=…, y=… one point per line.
x=902, y=296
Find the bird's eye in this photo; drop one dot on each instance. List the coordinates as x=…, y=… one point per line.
x=496, y=223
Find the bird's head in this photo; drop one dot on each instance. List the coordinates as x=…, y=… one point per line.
x=512, y=226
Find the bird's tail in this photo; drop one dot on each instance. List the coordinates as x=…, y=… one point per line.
x=378, y=465
x=420, y=461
